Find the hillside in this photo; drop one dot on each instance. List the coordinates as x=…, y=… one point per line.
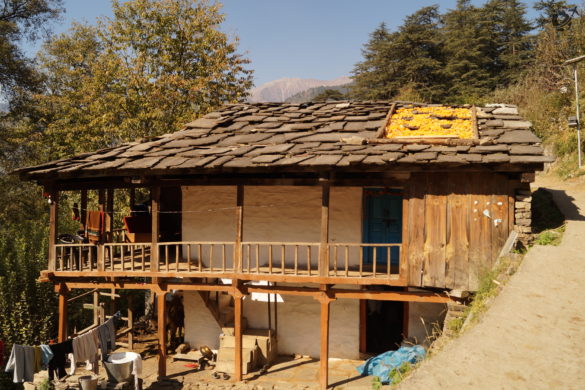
x=309, y=94
x=282, y=89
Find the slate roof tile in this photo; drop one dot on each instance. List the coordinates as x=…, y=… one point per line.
x=240, y=136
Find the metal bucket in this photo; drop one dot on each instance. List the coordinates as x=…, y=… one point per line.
x=88, y=382
x=118, y=372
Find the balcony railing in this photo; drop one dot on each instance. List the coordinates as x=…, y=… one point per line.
x=193, y=258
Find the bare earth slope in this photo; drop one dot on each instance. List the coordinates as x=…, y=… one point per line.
x=533, y=336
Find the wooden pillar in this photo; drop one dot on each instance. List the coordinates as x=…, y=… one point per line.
x=239, y=228
x=83, y=211
x=162, y=334
x=130, y=323
x=154, y=209
x=324, y=299
x=62, y=331
x=96, y=304
x=132, y=196
x=109, y=215
x=53, y=228
x=324, y=242
x=238, y=309
x=101, y=260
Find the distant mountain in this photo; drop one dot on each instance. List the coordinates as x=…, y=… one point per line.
x=282, y=89
x=309, y=94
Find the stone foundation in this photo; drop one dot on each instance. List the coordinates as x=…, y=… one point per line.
x=523, y=215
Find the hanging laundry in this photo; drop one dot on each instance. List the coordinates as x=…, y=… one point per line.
x=38, y=359
x=95, y=225
x=85, y=349
x=57, y=364
x=22, y=363
x=46, y=356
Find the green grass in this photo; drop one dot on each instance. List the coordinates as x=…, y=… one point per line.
x=550, y=237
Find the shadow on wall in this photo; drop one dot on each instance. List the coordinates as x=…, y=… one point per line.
x=563, y=202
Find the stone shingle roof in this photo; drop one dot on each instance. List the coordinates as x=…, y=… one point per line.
x=290, y=137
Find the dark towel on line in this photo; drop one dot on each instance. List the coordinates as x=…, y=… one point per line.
x=57, y=364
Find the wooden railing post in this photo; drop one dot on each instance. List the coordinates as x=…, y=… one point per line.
x=239, y=228
x=324, y=242
x=154, y=209
x=53, y=226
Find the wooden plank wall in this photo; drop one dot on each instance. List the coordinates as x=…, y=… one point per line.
x=456, y=226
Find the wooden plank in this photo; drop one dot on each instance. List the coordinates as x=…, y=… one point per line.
x=324, y=241
x=499, y=221
x=239, y=228
x=457, y=249
x=403, y=259
x=62, y=330
x=154, y=209
x=479, y=227
x=415, y=232
x=162, y=335
x=382, y=130
x=436, y=232
x=53, y=229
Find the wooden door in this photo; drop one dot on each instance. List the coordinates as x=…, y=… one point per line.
x=382, y=223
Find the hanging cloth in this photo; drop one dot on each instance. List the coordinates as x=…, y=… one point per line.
x=21, y=363
x=57, y=364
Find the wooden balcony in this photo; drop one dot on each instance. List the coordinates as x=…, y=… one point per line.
x=302, y=262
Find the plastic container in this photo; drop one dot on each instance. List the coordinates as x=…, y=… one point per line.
x=88, y=382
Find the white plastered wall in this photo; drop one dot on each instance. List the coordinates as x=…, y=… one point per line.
x=287, y=214
x=433, y=315
x=201, y=327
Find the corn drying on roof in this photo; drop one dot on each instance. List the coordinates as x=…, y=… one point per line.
x=443, y=121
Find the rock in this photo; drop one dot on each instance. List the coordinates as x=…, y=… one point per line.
x=506, y=111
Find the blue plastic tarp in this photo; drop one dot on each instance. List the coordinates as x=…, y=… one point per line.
x=383, y=364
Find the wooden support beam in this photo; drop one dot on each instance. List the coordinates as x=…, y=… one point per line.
x=162, y=335
x=132, y=194
x=62, y=331
x=239, y=228
x=96, y=303
x=154, y=209
x=101, y=254
x=324, y=247
x=83, y=211
x=238, y=309
x=324, y=299
x=53, y=225
x=130, y=323
x=109, y=215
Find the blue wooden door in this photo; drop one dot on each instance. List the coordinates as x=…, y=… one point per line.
x=382, y=223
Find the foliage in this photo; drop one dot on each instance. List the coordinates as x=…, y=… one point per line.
x=399, y=373
x=329, y=94
x=550, y=237
x=146, y=71
x=20, y=20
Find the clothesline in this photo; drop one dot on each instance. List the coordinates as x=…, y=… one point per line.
x=27, y=360
x=213, y=209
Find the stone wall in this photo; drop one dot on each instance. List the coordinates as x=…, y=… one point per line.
x=523, y=215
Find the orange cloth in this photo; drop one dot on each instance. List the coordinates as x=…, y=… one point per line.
x=95, y=225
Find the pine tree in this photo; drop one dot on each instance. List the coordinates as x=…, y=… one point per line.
x=376, y=76
x=557, y=13
x=419, y=49
x=468, y=59
x=511, y=39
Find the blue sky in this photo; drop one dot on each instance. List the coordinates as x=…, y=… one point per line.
x=319, y=39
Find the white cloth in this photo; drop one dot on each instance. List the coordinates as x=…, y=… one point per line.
x=21, y=361
x=85, y=349
x=126, y=357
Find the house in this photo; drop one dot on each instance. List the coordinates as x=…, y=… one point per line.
x=318, y=227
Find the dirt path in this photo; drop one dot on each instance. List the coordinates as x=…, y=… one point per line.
x=533, y=336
